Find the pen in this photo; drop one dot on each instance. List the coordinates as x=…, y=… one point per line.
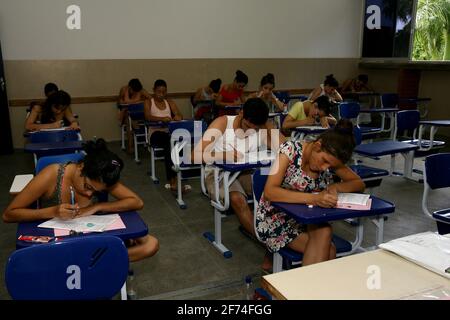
x=72, y=200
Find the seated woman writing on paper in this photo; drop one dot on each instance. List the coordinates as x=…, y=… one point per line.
x=309, y=113
x=99, y=171
x=55, y=113
x=301, y=174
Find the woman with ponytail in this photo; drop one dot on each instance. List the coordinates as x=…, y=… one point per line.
x=327, y=88
x=98, y=172
x=232, y=94
x=301, y=174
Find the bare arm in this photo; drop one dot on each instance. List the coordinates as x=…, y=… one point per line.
x=351, y=182
x=337, y=97
x=290, y=123
x=73, y=121
x=177, y=114
x=126, y=200
x=315, y=94
x=30, y=124
x=202, y=152
x=198, y=96
x=19, y=211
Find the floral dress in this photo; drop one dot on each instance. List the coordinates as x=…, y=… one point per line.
x=274, y=227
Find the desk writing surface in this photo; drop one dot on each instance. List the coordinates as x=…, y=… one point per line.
x=383, y=148
x=135, y=228
x=20, y=182
x=302, y=214
x=346, y=279
x=379, y=110
x=234, y=167
x=437, y=123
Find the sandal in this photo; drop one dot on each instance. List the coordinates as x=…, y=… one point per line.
x=184, y=189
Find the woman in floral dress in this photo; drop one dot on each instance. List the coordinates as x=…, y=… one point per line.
x=301, y=174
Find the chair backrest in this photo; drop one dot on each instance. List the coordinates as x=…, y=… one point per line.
x=357, y=134
x=437, y=170
x=63, y=158
x=81, y=268
x=54, y=136
x=259, y=181
x=407, y=120
x=136, y=111
x=349, y=110
x=436, y=176
x=389, y=100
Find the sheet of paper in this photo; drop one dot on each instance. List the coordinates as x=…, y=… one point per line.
x=83, y=224
x=353, y=198
x=428, y=249
x=55, y=129
x=118, y=224
x=255, y=157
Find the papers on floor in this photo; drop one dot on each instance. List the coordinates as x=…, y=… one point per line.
x=429, y=250
x=354, y=201
x=83, y=224
x=263, y=156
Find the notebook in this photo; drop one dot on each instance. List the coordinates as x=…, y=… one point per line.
x=259, y=156
x=354, y=201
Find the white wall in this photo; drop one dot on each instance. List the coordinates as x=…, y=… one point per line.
x=166, y=29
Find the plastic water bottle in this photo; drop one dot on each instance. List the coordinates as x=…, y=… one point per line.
x=131, y=290
x=249, y=290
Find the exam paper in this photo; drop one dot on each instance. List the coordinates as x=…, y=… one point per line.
x=83, y=224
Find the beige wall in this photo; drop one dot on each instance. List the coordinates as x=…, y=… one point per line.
x=81, y=78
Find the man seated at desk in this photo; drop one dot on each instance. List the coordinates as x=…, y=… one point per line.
x=310, y=113
x=226, y=140
x=301, y=174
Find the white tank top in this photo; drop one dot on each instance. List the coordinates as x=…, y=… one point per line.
x=157, y=112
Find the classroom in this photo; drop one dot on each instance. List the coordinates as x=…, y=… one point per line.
x=224, y=150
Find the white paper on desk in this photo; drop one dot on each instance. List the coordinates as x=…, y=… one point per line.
x=311, y=127
x=55, y=129
x=83, y=224
x=428, y=249
x=258, y=156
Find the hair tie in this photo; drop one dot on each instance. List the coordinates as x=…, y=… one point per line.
x=114, y=162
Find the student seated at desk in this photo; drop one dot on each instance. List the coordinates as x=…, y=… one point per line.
x=266, y=94
x=327, y=88
x=309, y=113
x=232, y=94
x=300, y=174
x=99, y=171
x=131, y=93
x=161, y=109
x=226, y=139
x=358, y=84
x=202, y=109
x=49, y=88
x=55, y=113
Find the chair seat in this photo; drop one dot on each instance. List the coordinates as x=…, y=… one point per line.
x=365, y=172
x=341, y=244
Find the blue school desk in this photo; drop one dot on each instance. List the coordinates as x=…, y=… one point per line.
x=389, y=147
x=226, y=174
x=315, y=215
x=434, y=125
x=299, y=133
x=135, y=228
x=53, y=148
